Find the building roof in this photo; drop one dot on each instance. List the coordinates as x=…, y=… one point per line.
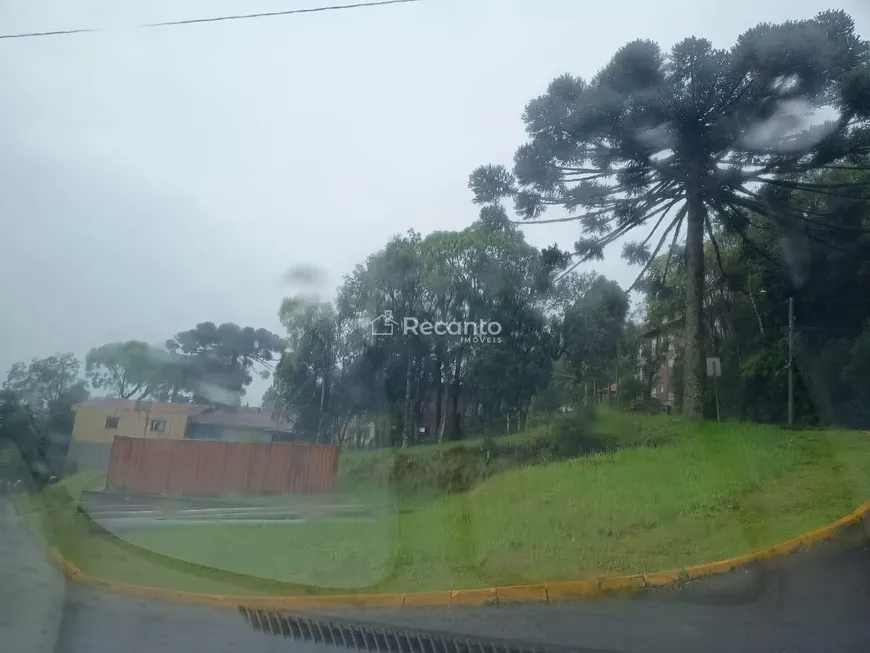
x=157, y=407
x=242, y=418
x=108, y=402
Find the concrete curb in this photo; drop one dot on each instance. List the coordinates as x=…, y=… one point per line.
x=543, y=592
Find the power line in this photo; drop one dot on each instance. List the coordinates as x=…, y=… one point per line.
x=214, y=19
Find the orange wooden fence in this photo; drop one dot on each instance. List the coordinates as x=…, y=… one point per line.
x=152, y=466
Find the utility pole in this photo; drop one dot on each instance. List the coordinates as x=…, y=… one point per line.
x=791, y=361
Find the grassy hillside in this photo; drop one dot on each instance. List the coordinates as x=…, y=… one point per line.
x=680, y=494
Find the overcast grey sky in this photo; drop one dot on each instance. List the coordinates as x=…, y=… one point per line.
x=153, y=179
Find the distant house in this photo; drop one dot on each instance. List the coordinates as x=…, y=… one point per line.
x=242, y=424
x=658, y=347
x=99, y=420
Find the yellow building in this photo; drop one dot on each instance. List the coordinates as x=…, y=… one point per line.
x=100, y=419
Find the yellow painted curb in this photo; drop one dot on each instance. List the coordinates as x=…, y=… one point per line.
x=658, y=578
x=493, y=595
x=521, y=594
x=473, y=597
x=718, y=567
x=424, y=599
x=572, y=588
x=621, y=583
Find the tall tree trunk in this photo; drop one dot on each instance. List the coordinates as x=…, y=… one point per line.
x=445, y=403
x=754, y=305
x=416, y=409
x=439, y=390
x=443, y=422
x=479, y=417
x=457, y=391
x=341, y=429
x=450, y=426
x=407, y=422
x=693, y=376
x=321, y=418
x=530, y=410
x=453, y=397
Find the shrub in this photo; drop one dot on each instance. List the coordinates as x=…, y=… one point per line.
x=435, y=470
x=454, y=469
x=648, y=406
x=461, y=467
x=571, y=435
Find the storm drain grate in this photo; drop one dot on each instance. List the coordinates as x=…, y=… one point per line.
x=378, y=639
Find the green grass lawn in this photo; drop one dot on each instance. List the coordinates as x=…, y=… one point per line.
x=704, y=492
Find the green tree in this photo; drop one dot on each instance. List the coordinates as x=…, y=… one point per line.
x=18, y=427
x=694, y=138
x=562, y=389
x=745, y=308
x=17, y=423
x=830, y=284
x=45, y=382
x=392, y=279
x=219, y=360
x=591, y=331
x=123, y=369
x=485, y=272
x=325, y=377
x=312, y=330
x=174, y=377
x=296, y=393
x=51, y=387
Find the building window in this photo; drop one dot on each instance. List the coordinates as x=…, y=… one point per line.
x=111, y=422
x=158, y=425
x=661, y=390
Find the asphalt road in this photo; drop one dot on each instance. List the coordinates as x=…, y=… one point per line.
x=816, y=601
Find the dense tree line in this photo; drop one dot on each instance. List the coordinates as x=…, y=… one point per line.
x=685, y=143
x=337, y=370
x=745, y=309
x=746, y=197
x=744, y=169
